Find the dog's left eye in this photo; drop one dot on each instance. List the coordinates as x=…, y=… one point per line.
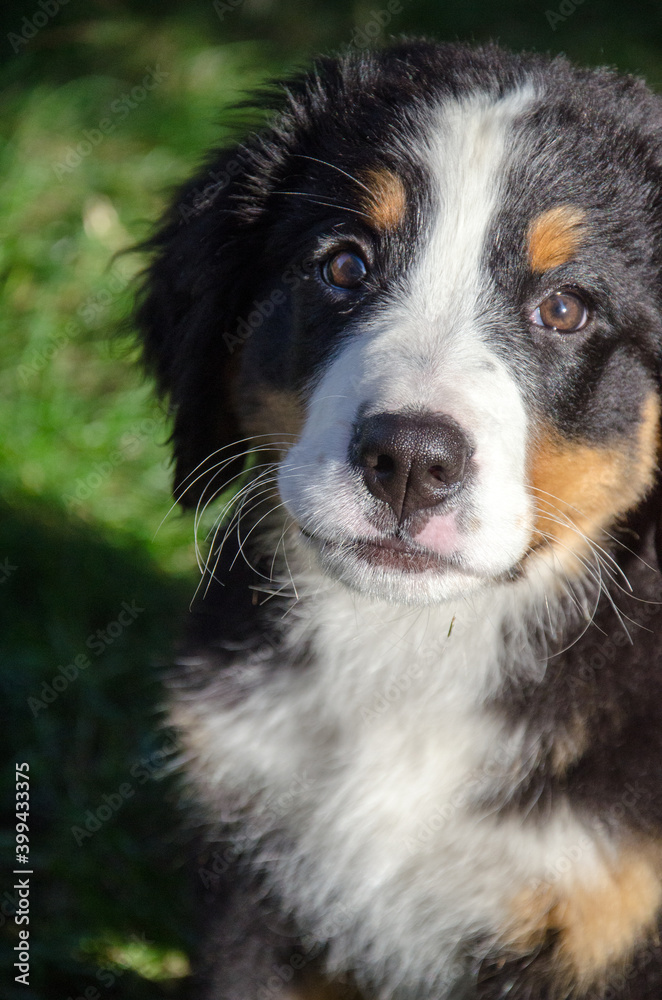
x=562, y=311
x=346, y=269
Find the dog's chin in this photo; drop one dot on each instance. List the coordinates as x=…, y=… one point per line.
x=393, y=571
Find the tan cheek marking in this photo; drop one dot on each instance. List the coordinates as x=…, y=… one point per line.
x=581, y=488
x=554, y=237
x=273, y=417
x=597, y=924
x=386, y=203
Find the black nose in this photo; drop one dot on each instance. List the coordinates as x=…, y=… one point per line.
x=411, y=461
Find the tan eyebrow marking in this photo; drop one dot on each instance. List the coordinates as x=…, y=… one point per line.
x=554, y=237
x=386, y=202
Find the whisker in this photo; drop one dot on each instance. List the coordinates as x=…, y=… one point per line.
x=333, y=166
x=281, y=541
x=326, y=204
x=233, y=444
x=589, y=621
x=260, y=480
x=199, y=514
x=571, y=523
x=236, y=497
x=241, y=542
x=602, y=555
x=219, y=466
x=247, y=499
x=595, y=550
x=621, y=616
x=606, y=533
x=236, y=516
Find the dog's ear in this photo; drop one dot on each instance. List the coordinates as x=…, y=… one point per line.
x=191, y=298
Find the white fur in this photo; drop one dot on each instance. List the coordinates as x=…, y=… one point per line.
x=359, y=777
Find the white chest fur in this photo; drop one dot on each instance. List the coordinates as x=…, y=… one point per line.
x=368, y=765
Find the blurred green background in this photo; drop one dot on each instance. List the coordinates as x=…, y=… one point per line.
x=86, y=163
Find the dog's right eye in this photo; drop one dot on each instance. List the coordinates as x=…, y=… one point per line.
x=562, y=311
x=346, y=269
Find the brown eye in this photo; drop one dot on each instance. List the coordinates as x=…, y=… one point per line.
x=345, y=270
x=561, y=311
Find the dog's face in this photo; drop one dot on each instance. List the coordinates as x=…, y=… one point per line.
x=440, y=301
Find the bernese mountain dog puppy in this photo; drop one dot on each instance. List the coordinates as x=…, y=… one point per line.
x=411, y=333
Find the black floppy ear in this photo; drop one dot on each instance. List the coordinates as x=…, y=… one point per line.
x=191, y=297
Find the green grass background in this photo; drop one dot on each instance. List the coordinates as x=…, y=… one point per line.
x=84, y=474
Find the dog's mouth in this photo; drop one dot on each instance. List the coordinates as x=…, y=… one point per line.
x=390, y=552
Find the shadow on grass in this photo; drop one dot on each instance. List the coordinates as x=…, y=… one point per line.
x=85, y=622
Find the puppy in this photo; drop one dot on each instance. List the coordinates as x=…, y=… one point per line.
x=421, y=704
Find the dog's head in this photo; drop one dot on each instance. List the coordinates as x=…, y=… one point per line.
x=431, y=286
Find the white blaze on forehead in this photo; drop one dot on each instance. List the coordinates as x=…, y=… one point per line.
x=467, y=148
x=468, y=151
x=430, y=349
